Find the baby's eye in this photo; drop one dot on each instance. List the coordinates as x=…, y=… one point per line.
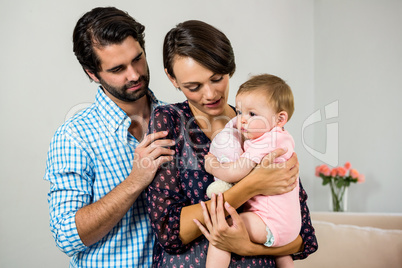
x=252, y=114
x=238, y=112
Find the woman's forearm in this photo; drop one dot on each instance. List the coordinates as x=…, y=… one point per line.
x=188, y=229
x=258, y=249
x=264, y=179
x=235, y=196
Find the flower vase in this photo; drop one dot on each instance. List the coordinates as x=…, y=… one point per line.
x=338, y=198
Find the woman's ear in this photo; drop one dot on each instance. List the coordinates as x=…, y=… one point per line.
x=92, y=75
x=282, y=118
x=172, y=79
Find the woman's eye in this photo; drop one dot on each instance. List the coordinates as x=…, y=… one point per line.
x=193, y=88
x=215, y=80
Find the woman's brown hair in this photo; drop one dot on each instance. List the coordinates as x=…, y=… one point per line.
x=201, y=42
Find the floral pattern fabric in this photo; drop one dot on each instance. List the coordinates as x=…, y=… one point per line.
x=183, y=182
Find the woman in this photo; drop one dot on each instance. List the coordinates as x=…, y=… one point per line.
x=199, y=60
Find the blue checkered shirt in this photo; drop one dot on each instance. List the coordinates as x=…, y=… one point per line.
x=89, y=155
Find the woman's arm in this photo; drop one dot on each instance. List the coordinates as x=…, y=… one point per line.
x=228, y=171
x=235, y=238
x=266, y=179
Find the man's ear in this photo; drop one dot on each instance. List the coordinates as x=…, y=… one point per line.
x=172, y=79
x=92, y=75
x=282, y=118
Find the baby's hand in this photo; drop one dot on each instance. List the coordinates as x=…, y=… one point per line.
x=211, y=162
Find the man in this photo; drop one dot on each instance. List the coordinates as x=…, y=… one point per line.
x=96, y=166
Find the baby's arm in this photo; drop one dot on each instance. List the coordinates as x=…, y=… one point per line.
x=230, y=171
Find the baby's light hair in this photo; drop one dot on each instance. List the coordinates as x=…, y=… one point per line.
x=278, y=93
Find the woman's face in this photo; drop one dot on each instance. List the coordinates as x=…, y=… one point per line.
x=206, y=92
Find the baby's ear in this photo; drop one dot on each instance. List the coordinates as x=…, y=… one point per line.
x=282, y=118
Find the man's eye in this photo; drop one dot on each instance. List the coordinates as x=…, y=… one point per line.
x=117, y=70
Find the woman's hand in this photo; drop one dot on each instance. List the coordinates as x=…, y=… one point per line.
x=231, y=238
x=234, y=237
x=269, y=178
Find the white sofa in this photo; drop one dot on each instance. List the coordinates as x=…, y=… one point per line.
x=356, y=240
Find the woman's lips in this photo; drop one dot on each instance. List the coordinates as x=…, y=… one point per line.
x=213, y=104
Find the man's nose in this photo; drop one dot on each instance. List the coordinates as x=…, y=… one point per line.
x=132, y=74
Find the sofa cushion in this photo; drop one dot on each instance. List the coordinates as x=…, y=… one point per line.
x=353, y=246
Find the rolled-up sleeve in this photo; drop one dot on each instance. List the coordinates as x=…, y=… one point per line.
x=69, y=173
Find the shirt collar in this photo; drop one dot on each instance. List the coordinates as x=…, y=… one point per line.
x=113, y=115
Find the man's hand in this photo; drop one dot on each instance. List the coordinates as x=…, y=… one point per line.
x=149, y=155
x=95, y=220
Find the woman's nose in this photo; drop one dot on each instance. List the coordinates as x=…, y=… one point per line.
x=209, y=92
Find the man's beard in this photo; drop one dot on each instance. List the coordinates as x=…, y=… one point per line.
x=122, y=93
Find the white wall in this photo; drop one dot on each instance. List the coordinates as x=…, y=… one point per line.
x=325, y=50
x=358, y=62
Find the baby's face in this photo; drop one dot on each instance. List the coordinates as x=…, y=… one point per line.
x=254, y=115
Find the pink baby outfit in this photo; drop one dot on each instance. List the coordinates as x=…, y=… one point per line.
x=281, y=213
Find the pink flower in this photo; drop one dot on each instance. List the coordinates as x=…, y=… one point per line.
x=342, y=171
x=317, y=171
x=325, y=170
x=348, y=165
x=354, y=173
x=334, y=172
x=361, y=178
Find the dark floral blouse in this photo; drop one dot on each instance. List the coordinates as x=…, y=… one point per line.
x=183, y=182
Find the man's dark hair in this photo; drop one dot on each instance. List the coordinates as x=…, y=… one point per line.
x=100, y=27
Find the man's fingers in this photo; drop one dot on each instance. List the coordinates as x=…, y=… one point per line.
x=158, y=152
x=149, y=138
x=163, y=159
x=163, y=143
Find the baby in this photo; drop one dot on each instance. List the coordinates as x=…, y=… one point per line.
x=264, y=104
